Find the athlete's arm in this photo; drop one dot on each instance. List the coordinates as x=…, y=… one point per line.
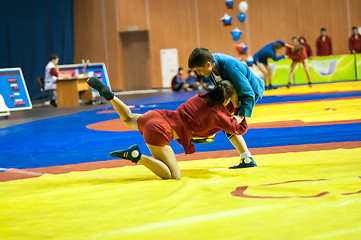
x=245, y=92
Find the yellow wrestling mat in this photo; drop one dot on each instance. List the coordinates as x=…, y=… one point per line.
x=316, y=88
x=303, y=195
x=315, y=111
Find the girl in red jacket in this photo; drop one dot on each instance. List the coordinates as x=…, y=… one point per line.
x=299, y=55
x=201, y=116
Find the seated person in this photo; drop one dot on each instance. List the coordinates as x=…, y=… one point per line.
x=178, y=83
x=192, y=80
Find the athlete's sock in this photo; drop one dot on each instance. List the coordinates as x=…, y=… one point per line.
x=103, y=90
x=246, y=156
x=132, y=153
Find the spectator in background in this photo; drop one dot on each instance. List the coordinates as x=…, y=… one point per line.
x=324, y=44
x=51, y=74
x=354, y=42
x=178, y=83
x=299, y=55
x=302, y=41
x=192, y=80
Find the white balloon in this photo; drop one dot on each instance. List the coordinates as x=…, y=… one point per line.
x=243, y=6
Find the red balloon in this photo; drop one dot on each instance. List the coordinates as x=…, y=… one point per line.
x=239, y=47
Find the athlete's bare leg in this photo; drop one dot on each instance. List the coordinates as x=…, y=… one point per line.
x=263, y=69
x=239, y=143
x=307, y=70
x=269, y=74
x=129, y=119
x=290, y=76
x=163, y=163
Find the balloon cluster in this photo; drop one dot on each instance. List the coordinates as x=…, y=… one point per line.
x=243, y=7
x=236, y=33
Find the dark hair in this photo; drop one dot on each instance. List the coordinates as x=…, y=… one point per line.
x=189, y=71
x=180, y=69
x=298, y=48
x=354, y=27
x=215, y=97
x=323, y=29
x=53, y=56
x=294, y=38
x=199, y=57
x=301, y=38
x=277, y=46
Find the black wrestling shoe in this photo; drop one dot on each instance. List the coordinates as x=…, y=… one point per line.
x=132, y=153
x=103, y=90
x=243, y=164
x=272, y=87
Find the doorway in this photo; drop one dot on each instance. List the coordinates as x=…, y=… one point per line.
x=137, y=60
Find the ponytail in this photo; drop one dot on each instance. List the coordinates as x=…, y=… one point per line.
x=221, y=92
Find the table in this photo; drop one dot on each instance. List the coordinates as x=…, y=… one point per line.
x=68, y=90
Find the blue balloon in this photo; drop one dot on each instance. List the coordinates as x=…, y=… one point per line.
x=241, y=17
x=236, y=35
x=227, y=20
x=229, y=3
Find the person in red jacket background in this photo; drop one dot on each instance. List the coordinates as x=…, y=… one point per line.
x=298, y=55
x=324, y=44
x=302, y=41
x=354, y=42
x=289, y=51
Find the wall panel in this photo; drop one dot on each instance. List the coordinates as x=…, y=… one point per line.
x=132, y=13
x=271, y=21
x=355, y=13
x=330, y=14
x=172, y=25
x=96, y=37
x=88, y=31
x=213, y=34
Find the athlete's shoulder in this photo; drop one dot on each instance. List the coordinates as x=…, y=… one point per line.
x=222, y=56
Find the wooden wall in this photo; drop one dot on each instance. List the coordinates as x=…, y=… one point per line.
x=96, y=37
x=187, y=24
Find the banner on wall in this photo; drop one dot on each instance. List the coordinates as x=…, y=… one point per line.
x=323, y=69
x=358, y=66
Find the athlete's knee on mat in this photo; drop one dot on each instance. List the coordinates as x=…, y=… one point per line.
x=172, y=176
x=176, y=176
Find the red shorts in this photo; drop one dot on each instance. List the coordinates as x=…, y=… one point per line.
x=155, y=129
